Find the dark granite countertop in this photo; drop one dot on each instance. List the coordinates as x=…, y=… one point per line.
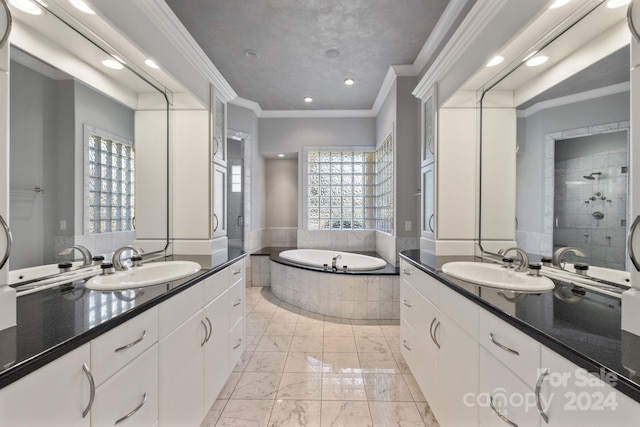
x=581, y=325
x=56, y=321
x=388, y=270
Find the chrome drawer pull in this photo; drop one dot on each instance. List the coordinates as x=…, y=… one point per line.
x=544, y=416
x=8, y=236
x=238, y=303
x=407, y=272
x=210, y=329
x=206, y=333
x=404, y=344
x=406, y=303
x=502, y=417
x=504, y=347
x=239, y=343
x=431, y=330
x=131, y=344
x=435, y=331
x=92, y=389
x=132, y=413
x=238, y=271
x=632, y=231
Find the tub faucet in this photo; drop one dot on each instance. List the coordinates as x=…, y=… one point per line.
x=524, y=258
x=87, y=259
x=334, y=262
x=117, y=264
x=559, y=253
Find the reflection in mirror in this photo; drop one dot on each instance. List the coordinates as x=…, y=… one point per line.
x=88, y=151
x=572, y=140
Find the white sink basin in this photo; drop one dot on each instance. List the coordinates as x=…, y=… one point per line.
x=146, y=275
x=495, y=276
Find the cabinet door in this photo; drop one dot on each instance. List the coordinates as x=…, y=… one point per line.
x=180, y=374
x=219, y=221
x=131, y=395
x=457, y=374
x=219, y=131
x=216, y=350
x=573, y=397
x=428, y=202
x=429, y=127
x=54, y=395
x=634, y=189
x=425, y=369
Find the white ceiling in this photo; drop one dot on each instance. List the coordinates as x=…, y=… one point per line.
x=291, y=38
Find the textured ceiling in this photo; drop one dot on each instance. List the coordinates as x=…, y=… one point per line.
x=291, y=38
x=610, y=70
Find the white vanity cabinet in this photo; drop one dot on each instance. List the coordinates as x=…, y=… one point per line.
x=54, y=395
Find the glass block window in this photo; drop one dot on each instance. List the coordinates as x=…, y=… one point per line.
x=384, y=185
x=110, y=189
x=340, y=190
x=236, y=179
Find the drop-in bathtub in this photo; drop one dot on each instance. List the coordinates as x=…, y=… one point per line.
x=320, y=257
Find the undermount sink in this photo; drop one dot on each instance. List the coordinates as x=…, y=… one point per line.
x=496, y=276
x=146, y=275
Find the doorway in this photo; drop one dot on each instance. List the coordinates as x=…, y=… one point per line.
x=235, y=192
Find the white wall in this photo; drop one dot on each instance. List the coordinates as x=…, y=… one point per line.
x=281, y=193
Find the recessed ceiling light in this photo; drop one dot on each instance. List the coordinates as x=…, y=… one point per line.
x=559, y=3
x=280, y=155
x=82, y=7
x=495, y=61
x=349, y=81
x=537, y=60
x=112, y=63
x=332, y=53
x=613, y=4
x=308, y=99
x=151, y=64
x=27, y=6
x=251, y=54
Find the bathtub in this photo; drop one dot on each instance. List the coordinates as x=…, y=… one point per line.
x=318, y=258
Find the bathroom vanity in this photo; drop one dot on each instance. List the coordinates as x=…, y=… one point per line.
x=562, y=352
x=157, y=355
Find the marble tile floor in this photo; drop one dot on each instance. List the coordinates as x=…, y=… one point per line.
x=304, y=369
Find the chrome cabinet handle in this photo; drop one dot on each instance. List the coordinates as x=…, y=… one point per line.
x=210, y=329
x=435, y=331
x=7, y=232
x=407, y=272
x=632, y=231
x=92, y=389
x=132, y=413
x=431, y=330
x=238, y=303
x=238, y=271
x=544, y=416
x=240, y=221
x=502, y=417
x=430, y=221
x=216, y=222
x=216, y=145
x=404, y=344
x=206, y=333
x=504, y=347
x=632, y=26
x=7, y=12
x=131, y=344
x=406, y=303
x=239, y=343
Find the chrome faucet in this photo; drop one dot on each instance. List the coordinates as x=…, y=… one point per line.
x=117, y=264
x=334, y=265
x=524, y=258
x=559, y=253
x=87, y=259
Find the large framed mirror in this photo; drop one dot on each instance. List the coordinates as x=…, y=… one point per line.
x=571, y=100
x=89, y=146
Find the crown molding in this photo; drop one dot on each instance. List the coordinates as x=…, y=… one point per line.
x=573, y=98
x=164, y=18
x=314, y=114
x=248, y=104
x=477, y=19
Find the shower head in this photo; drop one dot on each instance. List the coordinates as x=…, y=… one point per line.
x=591, y=177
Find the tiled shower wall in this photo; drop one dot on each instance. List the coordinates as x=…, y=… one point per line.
x=577, y=215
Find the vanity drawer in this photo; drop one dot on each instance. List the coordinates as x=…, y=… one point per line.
x=113, y=350
x=420, y=281
x=236, y=344
x=179, y=308
x=513, y=348
x=236, y=271
x=216, y=285
x=236, y=301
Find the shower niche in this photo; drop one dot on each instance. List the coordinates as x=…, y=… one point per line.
x=590, y=196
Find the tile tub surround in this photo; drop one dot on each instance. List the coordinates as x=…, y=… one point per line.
x=350, y=296
x=306, y=369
